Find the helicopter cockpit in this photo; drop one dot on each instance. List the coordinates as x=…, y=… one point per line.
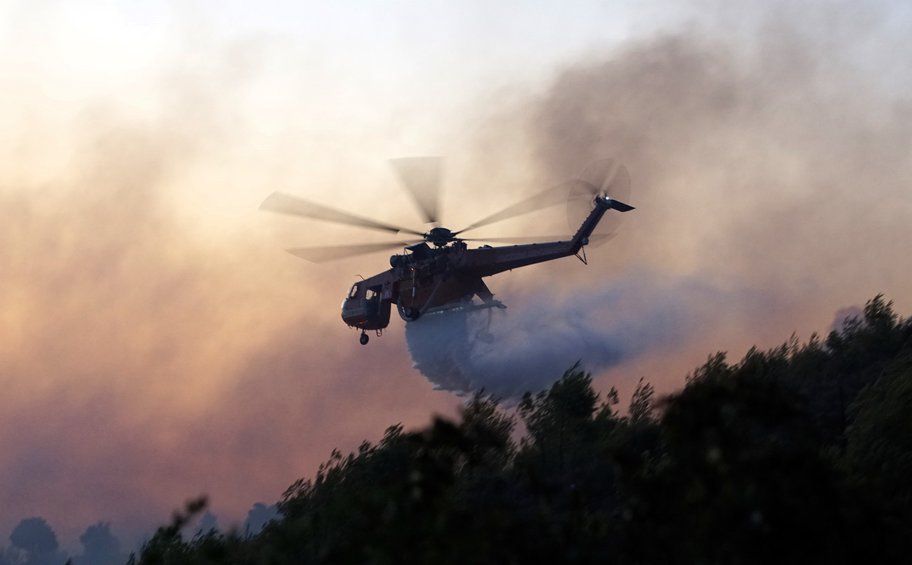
x=364, y=307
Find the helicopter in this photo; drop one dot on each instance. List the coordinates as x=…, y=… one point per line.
x=437, y=271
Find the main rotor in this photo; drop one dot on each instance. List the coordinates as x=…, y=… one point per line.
x=421, y=177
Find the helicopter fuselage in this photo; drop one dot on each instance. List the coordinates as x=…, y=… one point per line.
x=427, y=279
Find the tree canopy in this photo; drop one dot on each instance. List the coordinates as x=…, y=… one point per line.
x=801, y=454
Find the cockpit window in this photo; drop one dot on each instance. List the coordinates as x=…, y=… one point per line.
x=354, y=291
x=371, y=293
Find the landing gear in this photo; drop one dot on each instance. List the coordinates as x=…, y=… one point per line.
x=364, y=338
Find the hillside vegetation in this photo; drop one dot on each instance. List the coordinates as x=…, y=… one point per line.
x=802, y=454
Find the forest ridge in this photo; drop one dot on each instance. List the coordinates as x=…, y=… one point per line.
x=802, y=453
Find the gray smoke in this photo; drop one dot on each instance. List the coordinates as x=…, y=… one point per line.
x=768, y=148
x=529, y=345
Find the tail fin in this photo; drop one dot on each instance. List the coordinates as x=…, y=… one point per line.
x=618, y=205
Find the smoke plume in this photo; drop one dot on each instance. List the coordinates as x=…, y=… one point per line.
x=530, y=344
x=769, y=153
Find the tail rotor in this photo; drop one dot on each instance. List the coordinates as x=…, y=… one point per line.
x=605, y=178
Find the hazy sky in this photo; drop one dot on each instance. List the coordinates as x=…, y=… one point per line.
x=155, y=340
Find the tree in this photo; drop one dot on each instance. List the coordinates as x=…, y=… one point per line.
x=879, y=452
x=800, y=453
x=744, y=467
x=167, y=546
x=559, y=420
x=99, y=546
x=36, y=542
x=641, y=403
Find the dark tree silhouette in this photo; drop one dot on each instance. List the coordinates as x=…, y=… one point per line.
x=798, y=454
x=99, y=546
x=34, y=536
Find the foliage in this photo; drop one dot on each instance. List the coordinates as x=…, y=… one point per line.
x=797, y=454
x=33, y=543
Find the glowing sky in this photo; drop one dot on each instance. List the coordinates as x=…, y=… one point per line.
x=155, y=340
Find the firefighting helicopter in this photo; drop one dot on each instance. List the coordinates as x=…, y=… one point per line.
x=437, y=271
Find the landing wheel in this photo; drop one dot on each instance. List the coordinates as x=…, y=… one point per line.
x=364, y=338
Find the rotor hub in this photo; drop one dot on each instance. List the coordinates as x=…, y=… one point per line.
x=439, y=236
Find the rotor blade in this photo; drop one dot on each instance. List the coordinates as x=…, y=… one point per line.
x=294, y=206
x=598, y=239
x=421, y=177
x=593, y=239
x=521, y=239
x=608, y=177
x=333, y=252
x=548, y=197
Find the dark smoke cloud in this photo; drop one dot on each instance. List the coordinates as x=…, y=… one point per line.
x=767, y=150
x=770, y=157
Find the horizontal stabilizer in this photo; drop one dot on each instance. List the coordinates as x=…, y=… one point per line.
x=618, y=205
